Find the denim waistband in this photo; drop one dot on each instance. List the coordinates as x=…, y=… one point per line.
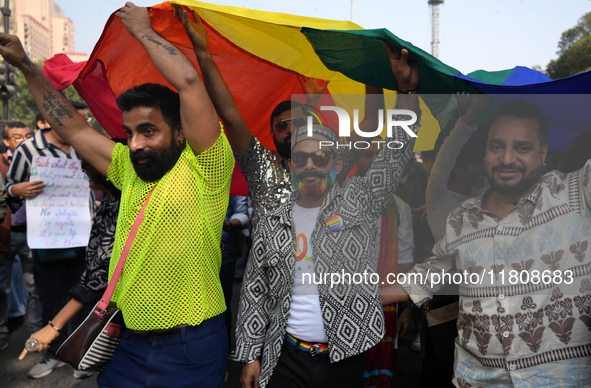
x=180, y=335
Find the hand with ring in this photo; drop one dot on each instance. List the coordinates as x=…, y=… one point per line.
x=32, y=345
x=39, y=341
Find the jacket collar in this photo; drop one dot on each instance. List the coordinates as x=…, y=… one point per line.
x=284, y=211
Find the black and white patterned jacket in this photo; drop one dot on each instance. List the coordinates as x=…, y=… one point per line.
x=352, y=314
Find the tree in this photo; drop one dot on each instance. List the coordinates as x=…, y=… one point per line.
x=574, y=50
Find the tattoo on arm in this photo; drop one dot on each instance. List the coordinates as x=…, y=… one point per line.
x=55, y=109
x=29, y=63
x=171, y=49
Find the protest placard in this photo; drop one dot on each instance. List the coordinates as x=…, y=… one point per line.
x=59, y=217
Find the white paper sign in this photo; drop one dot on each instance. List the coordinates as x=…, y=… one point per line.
x=59, y=217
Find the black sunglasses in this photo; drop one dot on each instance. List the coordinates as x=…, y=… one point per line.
x=320, y=158
x=283, y=125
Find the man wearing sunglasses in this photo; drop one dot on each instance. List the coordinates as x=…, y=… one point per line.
x=265, y=170
x=178, y=152
x=286, y=116
x=299, y=324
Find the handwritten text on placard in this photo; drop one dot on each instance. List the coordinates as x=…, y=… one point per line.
x=59, y=217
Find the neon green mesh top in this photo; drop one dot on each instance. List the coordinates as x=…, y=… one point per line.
x=171, y=276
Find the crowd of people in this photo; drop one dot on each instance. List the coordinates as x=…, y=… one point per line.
x=486, y=201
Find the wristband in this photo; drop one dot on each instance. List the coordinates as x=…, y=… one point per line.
x=52, y=325
x=408, y=91
x=249, y=362
x=10, y=191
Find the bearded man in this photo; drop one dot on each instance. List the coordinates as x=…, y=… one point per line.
x=293, y=330
x=525, y=313
x=169, y=291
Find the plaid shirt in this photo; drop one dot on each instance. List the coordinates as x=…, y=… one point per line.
x=352, y=314
x=522, y=330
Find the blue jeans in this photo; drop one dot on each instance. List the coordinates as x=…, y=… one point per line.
x=6, y=262
x=18, y=297
x=18, y=244
x=191, y=356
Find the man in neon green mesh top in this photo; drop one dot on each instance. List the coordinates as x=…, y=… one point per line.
x=169, y=292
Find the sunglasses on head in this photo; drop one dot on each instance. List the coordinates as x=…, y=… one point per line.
x=320, y=158
x=281, y=126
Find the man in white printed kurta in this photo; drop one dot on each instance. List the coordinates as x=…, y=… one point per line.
x=530, y=327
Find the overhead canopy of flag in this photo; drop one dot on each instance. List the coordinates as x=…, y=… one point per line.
x=361, y=56
x=260, y=55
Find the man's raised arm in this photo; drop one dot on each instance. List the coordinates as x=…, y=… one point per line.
x=199, y=120
x=236, y=129
x=59, y=113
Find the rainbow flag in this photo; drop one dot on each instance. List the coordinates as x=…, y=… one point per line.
x=260, y=54
x=360, y=55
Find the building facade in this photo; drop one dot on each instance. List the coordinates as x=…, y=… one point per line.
x=44, y=30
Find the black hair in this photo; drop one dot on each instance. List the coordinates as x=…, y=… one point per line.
x=100, y=179
x=523, y=110
x=78, y=105
x=39, y=117
x=153, y=96
x=121, y=140
x=12, y=124
x=284, y=106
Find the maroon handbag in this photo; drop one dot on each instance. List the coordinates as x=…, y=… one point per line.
x=91, y=346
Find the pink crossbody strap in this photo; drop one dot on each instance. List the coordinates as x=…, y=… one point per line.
x=106, y=299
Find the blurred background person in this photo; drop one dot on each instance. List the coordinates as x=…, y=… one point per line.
x=94, y=279
x=395, y=248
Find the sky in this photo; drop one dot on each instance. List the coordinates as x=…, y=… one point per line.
x=474, y=34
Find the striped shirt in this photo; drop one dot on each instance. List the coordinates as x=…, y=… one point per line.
x=20, y=167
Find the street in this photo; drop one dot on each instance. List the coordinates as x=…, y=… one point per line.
x=13, y=373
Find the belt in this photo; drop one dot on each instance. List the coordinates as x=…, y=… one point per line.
x=313, y=349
